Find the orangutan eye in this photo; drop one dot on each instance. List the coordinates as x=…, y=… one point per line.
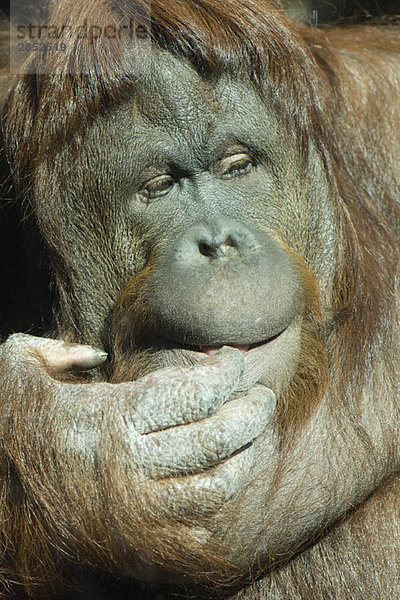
x=157, y=187
x=234, y=166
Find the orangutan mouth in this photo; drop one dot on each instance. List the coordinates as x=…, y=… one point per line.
x=244, y=348
x=211, y=349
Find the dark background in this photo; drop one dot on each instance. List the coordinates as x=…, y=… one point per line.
x=25, y=294
x=322, y=12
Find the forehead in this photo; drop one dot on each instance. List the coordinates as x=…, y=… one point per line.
x=170, y=96
x=174, y=116
x=169, y=89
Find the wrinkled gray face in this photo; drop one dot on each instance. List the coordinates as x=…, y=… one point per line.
x=193, y=191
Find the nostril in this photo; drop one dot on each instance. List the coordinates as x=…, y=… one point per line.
x=216, y=248
x=215, y=244
x=205, y=248
x=209, y=249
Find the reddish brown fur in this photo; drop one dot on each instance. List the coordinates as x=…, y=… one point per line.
x=352, y=117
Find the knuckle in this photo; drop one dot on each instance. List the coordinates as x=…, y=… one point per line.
x=227, y=359
x=233, y=356
x=23, y=347
x=15, y=348
x=224, y=442
x=16, y=340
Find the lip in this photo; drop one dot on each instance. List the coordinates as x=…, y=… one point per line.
x=209, y=349
x=244, y=348
x=270, y=361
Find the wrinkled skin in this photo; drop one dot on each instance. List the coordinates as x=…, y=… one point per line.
x=189, y=240
x=181, y=396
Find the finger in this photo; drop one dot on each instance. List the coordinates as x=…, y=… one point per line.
x=180, y=395
x=201, y=445
x=75, y=357
x=57, y=355
x=202, y=494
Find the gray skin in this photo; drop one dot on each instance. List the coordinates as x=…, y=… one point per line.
x=206, y=182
